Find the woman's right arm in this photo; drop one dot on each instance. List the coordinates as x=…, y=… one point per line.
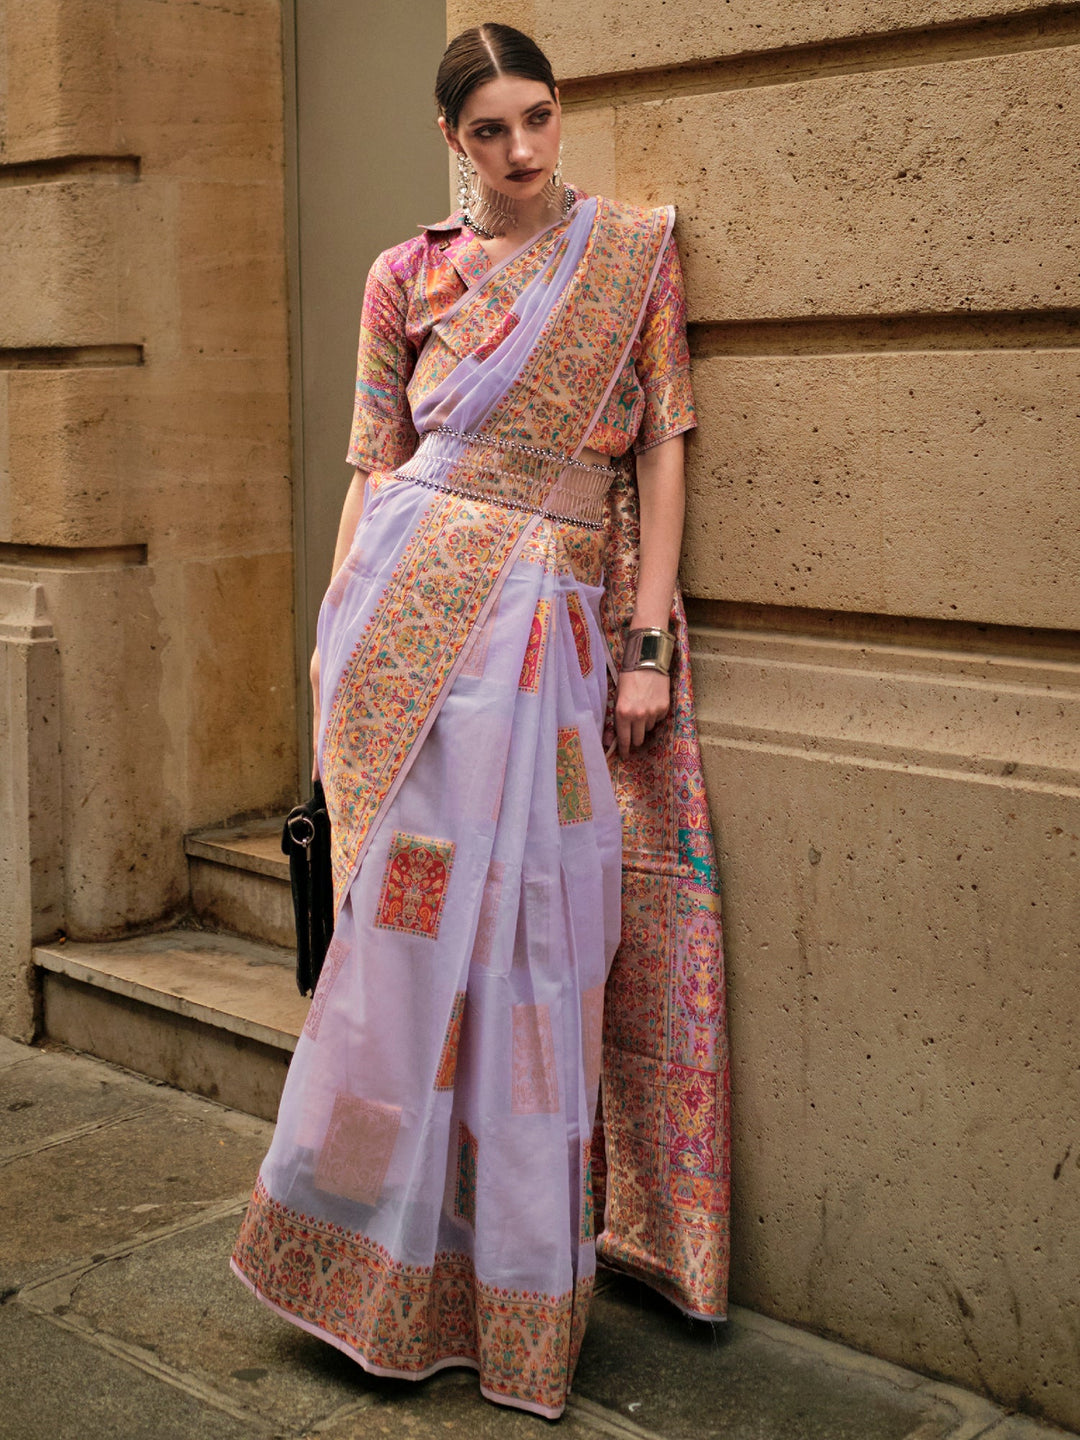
x=351, y=511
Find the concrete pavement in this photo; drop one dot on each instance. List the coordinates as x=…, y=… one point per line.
x=119, y=1202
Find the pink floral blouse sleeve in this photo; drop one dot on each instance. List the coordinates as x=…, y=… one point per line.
x=382, y=435
x=662, y=361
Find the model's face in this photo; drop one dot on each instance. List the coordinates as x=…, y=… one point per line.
x=510, y=129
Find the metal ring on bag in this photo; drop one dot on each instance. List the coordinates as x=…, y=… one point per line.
x=296, y=820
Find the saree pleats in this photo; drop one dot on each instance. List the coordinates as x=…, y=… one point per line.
x=426, y=1200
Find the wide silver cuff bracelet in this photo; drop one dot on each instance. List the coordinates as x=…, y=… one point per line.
x=649, y=649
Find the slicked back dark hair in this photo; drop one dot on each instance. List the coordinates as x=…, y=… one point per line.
x=481, y=54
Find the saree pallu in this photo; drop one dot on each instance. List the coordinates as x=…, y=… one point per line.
x=428, y=1196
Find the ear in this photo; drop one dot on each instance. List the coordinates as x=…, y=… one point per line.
x=449, y=136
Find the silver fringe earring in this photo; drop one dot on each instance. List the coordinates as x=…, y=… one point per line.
x=486, y=212
x=559, y=195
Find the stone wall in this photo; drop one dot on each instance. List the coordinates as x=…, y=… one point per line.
x=144, y=490
x=878, y=218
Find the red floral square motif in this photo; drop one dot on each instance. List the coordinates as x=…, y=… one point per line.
x=534, y=651
x=580, y=630
x=414, y=885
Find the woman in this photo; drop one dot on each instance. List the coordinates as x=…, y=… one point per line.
x=428, y=1196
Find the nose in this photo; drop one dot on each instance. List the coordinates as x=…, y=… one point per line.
x=520, y=149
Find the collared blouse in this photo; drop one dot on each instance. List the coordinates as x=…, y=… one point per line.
x=411, y=286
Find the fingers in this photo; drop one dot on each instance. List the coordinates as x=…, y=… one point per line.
x=633, y=727
x=622, y=734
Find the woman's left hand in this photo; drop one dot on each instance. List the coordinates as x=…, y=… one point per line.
x=641, y=702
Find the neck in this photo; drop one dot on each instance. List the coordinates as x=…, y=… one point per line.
x=533, y=214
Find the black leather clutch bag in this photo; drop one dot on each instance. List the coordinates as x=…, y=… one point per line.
x=306, y=841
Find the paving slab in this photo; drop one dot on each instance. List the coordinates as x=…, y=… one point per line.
x=690, y=1380
x=41, y=1101
x=12, y=1053
x=1020, y=1427
x=57, y=1386
x=178, y=1299
x=449, y=1406
x=87, y=1188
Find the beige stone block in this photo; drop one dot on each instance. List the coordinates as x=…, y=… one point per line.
x=243, y=1074
x=177, y=709
x=941, y=187
x=123, y=855
x=231, y=281
x=61, y=68
x=61, y=262
x=229, y=695
x=212, y=1014
x=242, y=902
x=220, y=981
x=905, y=483
x=240, y=881
x=191, y=89
x=203, y=89
x=613, y=37
x=86, y=262
x=899, y=835
x=589, y=150
x=190, y=455
x=31, y=887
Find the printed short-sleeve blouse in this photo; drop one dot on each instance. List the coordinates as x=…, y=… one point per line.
x=412, y=285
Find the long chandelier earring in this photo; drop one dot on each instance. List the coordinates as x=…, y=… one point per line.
x=485, y=211
x=463, y=168
x=555, y=192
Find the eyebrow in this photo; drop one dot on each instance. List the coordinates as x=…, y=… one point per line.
x=498, y=119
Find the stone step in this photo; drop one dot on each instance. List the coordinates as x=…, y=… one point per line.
x=214, y=1014
x=240, y=882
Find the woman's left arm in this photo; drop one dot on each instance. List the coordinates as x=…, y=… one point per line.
x=644, y=695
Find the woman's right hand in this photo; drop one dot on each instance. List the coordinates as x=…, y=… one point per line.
x=315, y=677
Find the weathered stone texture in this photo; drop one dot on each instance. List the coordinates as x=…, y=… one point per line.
x=195, y=90
x=853, y=482
x=146, y=401
x=612, y=37
x=110, y=456
x=938, y=188
x=31, y=872
x=901, y=855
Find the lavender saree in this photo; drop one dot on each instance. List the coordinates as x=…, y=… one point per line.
x=428, y=1196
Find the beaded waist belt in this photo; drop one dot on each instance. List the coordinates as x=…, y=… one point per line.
x=519, y=476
